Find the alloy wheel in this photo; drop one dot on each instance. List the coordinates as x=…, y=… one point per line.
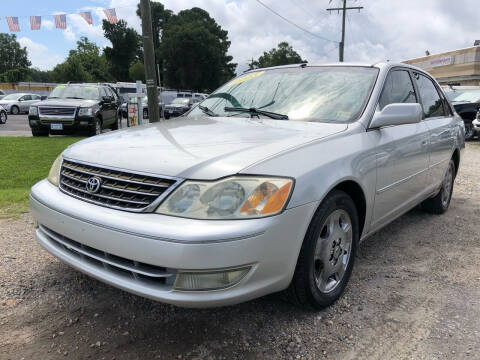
x=468, y=131
x=98, y=128
x=332, y=251
x=14, y=110
x=3, y=117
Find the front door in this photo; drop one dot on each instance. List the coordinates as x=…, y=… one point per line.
x=402, y=158
x=440, y=122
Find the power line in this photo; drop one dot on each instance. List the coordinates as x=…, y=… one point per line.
x=292, y=23
x=344, y=14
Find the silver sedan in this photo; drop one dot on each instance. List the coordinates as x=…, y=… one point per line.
x=19, y=102
x=269, y=184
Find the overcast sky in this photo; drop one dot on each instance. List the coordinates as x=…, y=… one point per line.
x=384, y=29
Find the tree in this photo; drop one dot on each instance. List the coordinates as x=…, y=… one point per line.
x=137, y=71
x=37, y=75
x=283, y=55
x=195, y=49
x=85, y=63
x=13, y=57
x=125, y=49
x=160, y=17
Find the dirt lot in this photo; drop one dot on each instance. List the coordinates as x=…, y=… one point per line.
x=415, y=294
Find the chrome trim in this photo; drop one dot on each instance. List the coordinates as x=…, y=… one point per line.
x=401, y=181
x=53, y=118
x=150, y=208
x=146, y=236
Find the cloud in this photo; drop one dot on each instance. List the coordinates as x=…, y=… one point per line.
x=47, y=24
x=39, y=54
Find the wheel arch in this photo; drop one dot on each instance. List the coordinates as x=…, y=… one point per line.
x=456, y=160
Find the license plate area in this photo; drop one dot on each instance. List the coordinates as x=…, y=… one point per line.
x=56, y=126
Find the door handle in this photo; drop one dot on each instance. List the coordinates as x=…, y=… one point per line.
x=424, y=143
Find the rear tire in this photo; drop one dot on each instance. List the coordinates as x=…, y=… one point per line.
x=39, y=132
x=327, y=255
x=439, y=203
x=115, y=124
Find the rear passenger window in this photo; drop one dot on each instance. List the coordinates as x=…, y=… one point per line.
x=433, y=105
x=398, y=89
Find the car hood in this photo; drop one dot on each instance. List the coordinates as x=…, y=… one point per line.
x=8, y=101
x=67, y=102
x=198, y=147
x=176, y=106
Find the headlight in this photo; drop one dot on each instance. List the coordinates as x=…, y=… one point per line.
x=85, y=111
x=231, y=198
x=54, y=173
x=33, y=110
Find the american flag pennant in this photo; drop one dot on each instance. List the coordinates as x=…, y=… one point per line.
x=111, y=15
x=13, y=23
x=87, y=16
x=61, y=21
x=35, y=22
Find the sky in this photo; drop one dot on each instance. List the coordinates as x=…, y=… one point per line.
x=384, y=29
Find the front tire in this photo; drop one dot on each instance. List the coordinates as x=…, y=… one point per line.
x=14, y=110
x=327, y=255
x=39, y=132
x=439, y=203
x=3, y=117
x=96, y=129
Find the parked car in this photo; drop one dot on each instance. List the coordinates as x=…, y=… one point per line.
x=2, y=94
x=124, y=112
x=466, y=101
x=476, y=124
x=75, y=107
x=268, y=185
x=3, y=115
x=19, y=102
x=178, y=107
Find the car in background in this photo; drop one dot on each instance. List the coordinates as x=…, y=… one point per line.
x=124, y=111
x=466, y=101
x=179, y=106
x=75, y=107
x=2, y=94
x=3, y=115
x=19, y=102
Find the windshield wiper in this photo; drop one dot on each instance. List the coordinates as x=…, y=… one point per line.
x=255, y=111
x=74, y=97
x=207, y=111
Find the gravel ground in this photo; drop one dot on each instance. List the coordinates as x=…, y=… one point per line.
x=414, y=294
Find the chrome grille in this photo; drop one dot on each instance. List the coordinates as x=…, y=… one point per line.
x=118, y=189
x=130, y=269
x=56, y=111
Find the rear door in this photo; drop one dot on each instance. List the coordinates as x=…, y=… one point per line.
x=402, y=159
x=440, y=122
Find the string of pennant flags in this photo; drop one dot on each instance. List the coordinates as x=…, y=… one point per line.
x=60, y=20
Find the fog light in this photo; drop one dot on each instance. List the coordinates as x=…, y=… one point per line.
x=209, y=280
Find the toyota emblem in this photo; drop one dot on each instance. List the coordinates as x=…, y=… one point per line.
x=93, y=184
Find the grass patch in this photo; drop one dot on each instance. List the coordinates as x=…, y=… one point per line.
x=23, y=162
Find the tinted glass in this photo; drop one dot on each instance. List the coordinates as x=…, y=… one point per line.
x=323, y=94
x=398, y=89
x=27, y=97
x=431, y=101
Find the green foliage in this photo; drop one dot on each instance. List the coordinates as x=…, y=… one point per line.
x=125, y=48
x=282, y=55
x=195, y=49
x=12, y=56
x=14, y=75
x=137, y=72
x=24, y=162
x=85, y=63
x=37, y=75
x=160, y=17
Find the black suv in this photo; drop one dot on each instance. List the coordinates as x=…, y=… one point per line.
x=75, y=107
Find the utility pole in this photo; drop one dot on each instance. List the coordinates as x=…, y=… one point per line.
x=344, y=15
x=149, y=60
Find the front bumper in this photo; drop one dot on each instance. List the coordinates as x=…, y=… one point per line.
x=269, y=245
x=77, y=123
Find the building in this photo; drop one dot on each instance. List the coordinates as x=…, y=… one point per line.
x=458, y=67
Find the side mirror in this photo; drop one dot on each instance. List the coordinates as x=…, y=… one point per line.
x=21, y=99
x=397, y=114
x=107, y=99
x=43, y=97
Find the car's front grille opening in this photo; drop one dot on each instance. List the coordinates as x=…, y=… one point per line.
x=129, y=269
x=56, y=111
x=116, y=189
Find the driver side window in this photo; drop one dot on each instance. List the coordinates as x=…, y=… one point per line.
x=398, y=89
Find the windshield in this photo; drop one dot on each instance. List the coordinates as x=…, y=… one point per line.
x=75, y=92
x=12, y=97
x=323, y=94
x=464, y=96
x=180, y=101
